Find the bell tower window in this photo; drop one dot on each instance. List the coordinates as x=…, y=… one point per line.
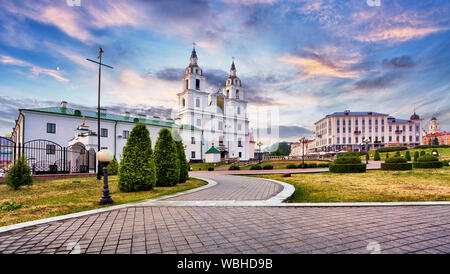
x=183, y=103
x=228, y=93
x=197, y=84
x=187, y=84
x=237, y=94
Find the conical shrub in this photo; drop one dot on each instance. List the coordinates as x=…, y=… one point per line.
x=166, y=160
x=137, y=168
x=19, y=174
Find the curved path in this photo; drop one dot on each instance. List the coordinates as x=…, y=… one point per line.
x=146, y=228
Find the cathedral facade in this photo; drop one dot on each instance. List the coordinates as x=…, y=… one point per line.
x=217, y=119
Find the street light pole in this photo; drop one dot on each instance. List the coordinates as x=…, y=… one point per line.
x=367, y=141
x=303, y=141
x=100, y=64
x=260, y=155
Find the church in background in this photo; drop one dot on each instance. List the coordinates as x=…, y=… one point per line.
x=434, y=135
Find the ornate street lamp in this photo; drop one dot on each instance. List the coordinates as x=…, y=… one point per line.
x=105, y=156
x=367, y=141
x=303, y=140
x=259, y=149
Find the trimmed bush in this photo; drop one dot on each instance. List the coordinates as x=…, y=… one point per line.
x=396, y=163
x=312, y=165
x=166, y=159
x=416, y=156
x=137, y=169
x=422, y=153
x=391, y=149
x=377, y=157
x=432, y=146
x=113, y=167
x=19, y=174
x=255, y=167
x=428, y=161
x=291, y=166
x=348, y=164
x=267, y=167
x=397, y=154
x=387, y=155
x=323, y=165
x=210, y=169
x=234, y=168
x=445, y=162
x=407, y=156
x=184, y=164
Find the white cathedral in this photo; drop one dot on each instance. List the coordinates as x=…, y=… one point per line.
x=214, y=126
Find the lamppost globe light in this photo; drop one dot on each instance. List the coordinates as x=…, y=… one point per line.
x=105, y=156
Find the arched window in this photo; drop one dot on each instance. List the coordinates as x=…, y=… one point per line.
x=183, y=102
x=197, y=102
x=197, y=84
x=228, y=93
x=187, y=83
x=237, y=94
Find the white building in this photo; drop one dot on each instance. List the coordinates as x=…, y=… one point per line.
x=346, y=131
x=203, y=118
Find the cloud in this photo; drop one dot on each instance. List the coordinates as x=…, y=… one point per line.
x=380, y=82
x=397, y=34
x=35, y=70
x=399, y=62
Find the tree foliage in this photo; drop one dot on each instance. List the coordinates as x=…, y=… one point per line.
x=113, y=167
x=166, y=160
x=19, y=174
x=137, y=168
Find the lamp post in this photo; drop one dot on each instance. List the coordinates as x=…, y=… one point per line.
x=367, y=141
x=303, y=141
x=105, y=156
x=259, y=149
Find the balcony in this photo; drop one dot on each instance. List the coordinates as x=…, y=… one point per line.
x=398, y=131
x=357, y=132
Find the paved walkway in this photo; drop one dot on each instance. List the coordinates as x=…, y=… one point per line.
x=239, y=229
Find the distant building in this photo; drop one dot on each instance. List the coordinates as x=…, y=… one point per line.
x=433, y=126
x=438, y=138
x=347, y=130
x=297, y=149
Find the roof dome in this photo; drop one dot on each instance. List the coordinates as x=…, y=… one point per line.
x=433, y=118
x=414, y=117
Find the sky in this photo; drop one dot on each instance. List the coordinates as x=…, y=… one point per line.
x=302, y=59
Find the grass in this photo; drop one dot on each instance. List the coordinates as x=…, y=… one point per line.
x=372, y=186
x=59, y=197
x=443, y=152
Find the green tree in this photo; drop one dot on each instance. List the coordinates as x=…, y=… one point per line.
x=422, y=153
x=397, y=154
x=435, y=141
x=407, y=156
x=166, y=160
x=387, y=155
x=19, y=174
x=184, y=164
x=377, y=156
x=113, y=167
x=137, y=168
x=416, y=156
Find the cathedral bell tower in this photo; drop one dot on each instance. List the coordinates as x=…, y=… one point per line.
x=193, y=78
x=233, y=86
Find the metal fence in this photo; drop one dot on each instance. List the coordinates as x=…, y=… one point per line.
x=47, y=157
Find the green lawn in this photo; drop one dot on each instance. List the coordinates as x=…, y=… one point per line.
x=372, y=186
x=59, y=197
x=443, y=152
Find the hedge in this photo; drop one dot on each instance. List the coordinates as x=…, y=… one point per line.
x=348, y=168
x=255, y=167
x=407, y=156
x=428, y=161
x=268, y=167
x=291, y=166
x=210, y=169
x=432, y=146
x=166, y=159
x=390, y=149
x=234, y=168
x=396, y=163
x=348, y=160
x=376, y=157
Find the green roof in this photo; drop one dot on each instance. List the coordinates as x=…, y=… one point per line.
x=212, y=150
x=103, y=116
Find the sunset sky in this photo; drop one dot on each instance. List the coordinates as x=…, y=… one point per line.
x=304, y=59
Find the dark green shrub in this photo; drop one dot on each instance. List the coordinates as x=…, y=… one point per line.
x=323, y=165
x=19, y=174
x=428, y=161
x=210, y=168
x=347, y=168
x=268, y=167
x=396, y=163
x=184, y=164
x=397, y=154
x=76, y=182
x=416, y=156
x=137, y=168
x=348, y=164
x=445, y=162
x=422, y=153
x=291, y=166
x=407, y=156
x=391, y=149
x=233, y=167
x=113, y=167
x=166, y=159
x=377, y=156
x=432, y=146
x=255, y=167
x=312, y=165
x=387, y=155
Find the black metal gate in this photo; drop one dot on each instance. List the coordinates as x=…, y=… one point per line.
x=44, y=156
x=7, y=154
